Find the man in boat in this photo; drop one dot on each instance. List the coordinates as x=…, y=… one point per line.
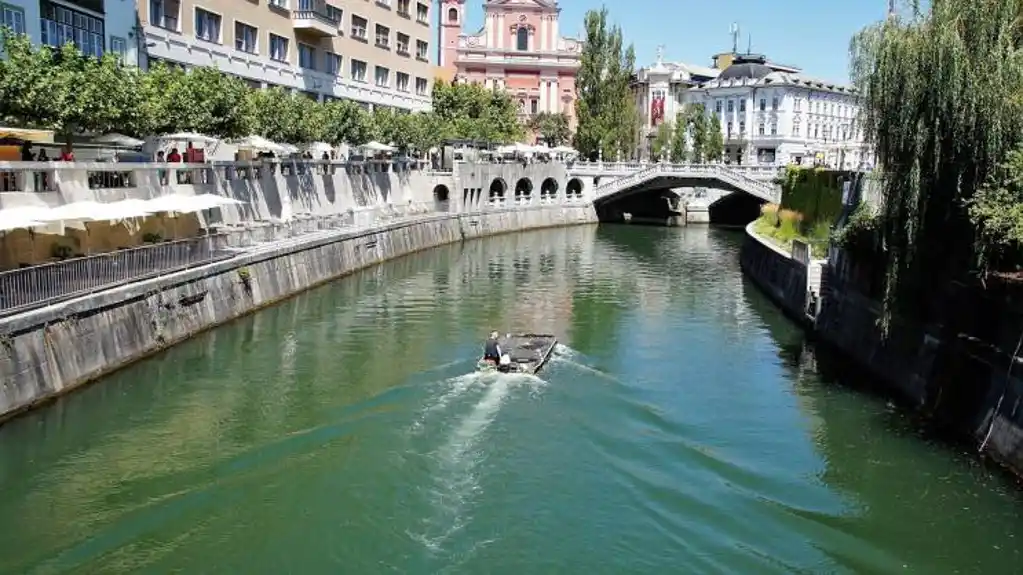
x=492, y=350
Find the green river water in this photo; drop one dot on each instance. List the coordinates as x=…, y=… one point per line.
x=681, y=428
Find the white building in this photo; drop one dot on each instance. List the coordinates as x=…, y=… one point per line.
x=770, y=114
x=95, y=26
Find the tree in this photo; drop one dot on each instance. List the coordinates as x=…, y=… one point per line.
x=65, y=91
x=678, y=138
x=552, y=127
x=345, y=122
x=605, y=108
x=281, y=116
x=477, y=113
x=202, y=100
x=696, y=120
x=942, y=108
x=714, y=148
x=661, y=144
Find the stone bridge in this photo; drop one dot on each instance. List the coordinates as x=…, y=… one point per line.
x=655, y=190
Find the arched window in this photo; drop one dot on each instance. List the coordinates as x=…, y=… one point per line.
x=522, y=39
x=453, y=15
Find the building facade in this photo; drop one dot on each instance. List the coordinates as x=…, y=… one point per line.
x=375, y=53
x=519, y=49
x=95, y=26
x=770, y=114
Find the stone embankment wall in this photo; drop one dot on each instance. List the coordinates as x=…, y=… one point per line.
x=50, y=351
x=964, y=384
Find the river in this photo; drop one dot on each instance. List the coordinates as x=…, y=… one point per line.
x=681, y=428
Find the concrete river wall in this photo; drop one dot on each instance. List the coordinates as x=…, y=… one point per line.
x=51, y=350
x=963, y=384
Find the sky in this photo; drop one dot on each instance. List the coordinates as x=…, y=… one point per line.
x=810, y=34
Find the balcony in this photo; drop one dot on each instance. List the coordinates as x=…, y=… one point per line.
x=314, y=17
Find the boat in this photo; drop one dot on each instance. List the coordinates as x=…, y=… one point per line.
x=525, y=353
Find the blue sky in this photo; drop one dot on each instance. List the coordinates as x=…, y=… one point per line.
x=813, y=35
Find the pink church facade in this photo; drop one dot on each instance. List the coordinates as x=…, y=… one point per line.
x=519, y=49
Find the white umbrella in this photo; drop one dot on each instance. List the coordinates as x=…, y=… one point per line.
x=116, y=139
x=9, y=221
x=320, y=147
x=188, y=204
x=377, y=147
x=77, y=211
x=260, y=143
x=189, y=136
x=125, y=209
x=564, y=150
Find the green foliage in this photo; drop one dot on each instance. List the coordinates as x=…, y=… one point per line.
x=782, y=227
x=662, y=141
x=552, y=127
x=942, y=109
x=68, y=92
x=678, y=139
x=605, y=109
x=996, y=211
x=715, y=147
x=814, y=193
x=861, y=234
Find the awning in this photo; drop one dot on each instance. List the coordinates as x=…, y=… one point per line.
x=24, y=134
x=12, y=220
x=183, y=204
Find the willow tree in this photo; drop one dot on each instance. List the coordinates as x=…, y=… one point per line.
x=942, y=109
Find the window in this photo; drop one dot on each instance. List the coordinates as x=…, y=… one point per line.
x=119, y=46
x=358, y=70
x=763, y=104
x=306, y=56
x=717, y=106
x=760, y=128
x=402, y=81
x=729, y=128
x=731, y=107
x=421, y=49
x=742, y=105
x=333, y=64
x=61, y=25
x=774, y=128
x=774, y=103
x=283, y=4
x=164, y=14
x=522, y=39
x=13, y=18
x=382, y=76
x=383, y=37
x=422, y=13
x=795, y=128
x=403, y=8
x=278, y=48
x=453, y=15
x=335, y=14
x=421, y=86
x=245, y=38
x=207, y=25
x=359, y=27
x=534, y=106
x=742, y=127
x=403, y=41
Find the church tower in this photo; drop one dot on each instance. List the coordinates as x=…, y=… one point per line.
x=451, y=15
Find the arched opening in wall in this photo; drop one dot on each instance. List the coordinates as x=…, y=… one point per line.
x=522, y=39
x=735, y=209
x=497, y=190
x=453, y=15
x=523, y=190
x=548, y=190
x=441, y=196
x=574, y=189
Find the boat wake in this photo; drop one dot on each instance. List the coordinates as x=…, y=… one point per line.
x=456, y=478
x=565, y=355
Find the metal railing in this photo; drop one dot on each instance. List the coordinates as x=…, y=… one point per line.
x=35, y=286
x=598, y=168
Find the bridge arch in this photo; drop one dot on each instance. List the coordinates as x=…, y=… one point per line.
x=441, y=195
x=735, y=209
x=523, y=190
x=574, y=189
x=498, y=189
x=548, y=189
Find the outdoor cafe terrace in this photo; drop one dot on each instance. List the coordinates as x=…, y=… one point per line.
x=68, y=229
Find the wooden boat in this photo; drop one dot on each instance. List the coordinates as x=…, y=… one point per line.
x=527, y=352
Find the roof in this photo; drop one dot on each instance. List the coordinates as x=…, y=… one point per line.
x=746, y=66
x=782, y=79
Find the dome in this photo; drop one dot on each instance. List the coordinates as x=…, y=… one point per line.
x=745, y=66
